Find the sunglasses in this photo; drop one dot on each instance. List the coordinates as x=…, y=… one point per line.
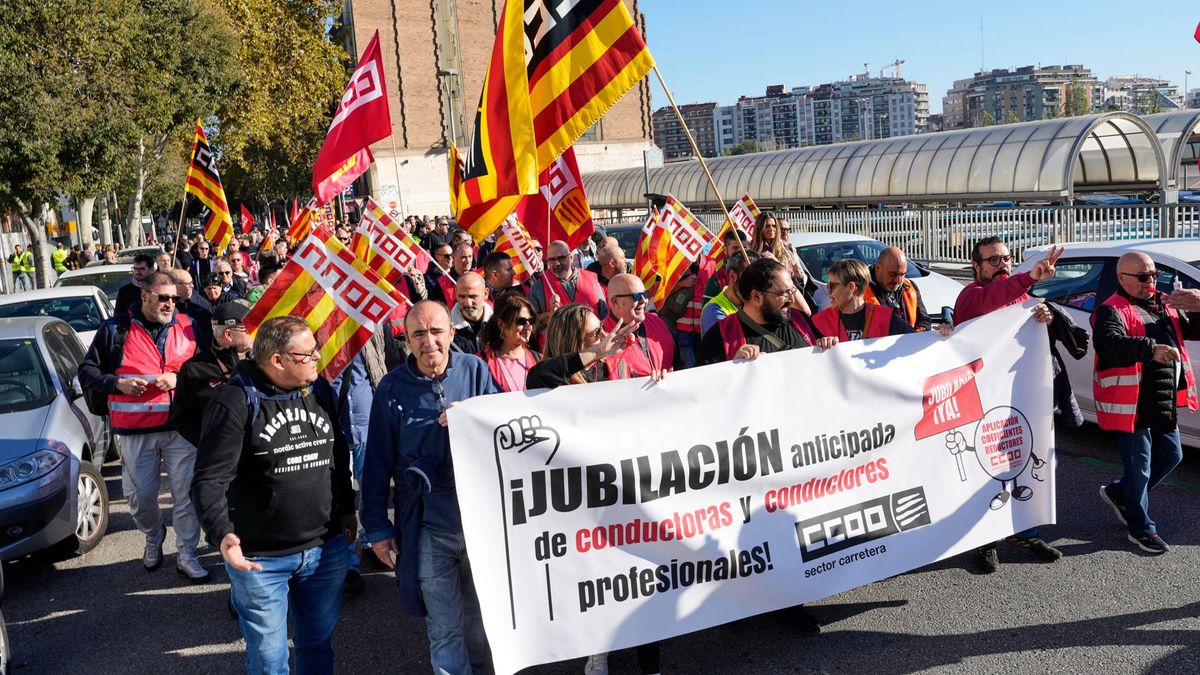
x=523, y=321
x=596, y=334
x=168, y=298
x=640, y=296
x=1144, y=277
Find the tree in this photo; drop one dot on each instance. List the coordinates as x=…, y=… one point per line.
x=1011, y=117
x=1148, y=103
x=1078, y=99
x=987, y=119
x=744, y=148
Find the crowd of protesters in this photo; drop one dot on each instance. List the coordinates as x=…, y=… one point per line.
x=299, y=481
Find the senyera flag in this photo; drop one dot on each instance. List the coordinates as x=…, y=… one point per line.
x=682, y=238
x=341, y=299
x=549, y=80
x=386, y=247
x=309, y=218
x=362, y=118
x=516, y=242
x=204, y=182
x=741, y=215
x=645, y=257
x=247, y=220
x=559, y=210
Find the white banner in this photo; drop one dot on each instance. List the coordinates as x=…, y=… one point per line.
x=606, y=516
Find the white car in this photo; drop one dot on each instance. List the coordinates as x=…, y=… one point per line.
x=818, y=250
x=109, y=278
x=52, y=494
x=84, y=308
x=1086, y=276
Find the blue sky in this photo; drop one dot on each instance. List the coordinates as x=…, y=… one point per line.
x=716, y=50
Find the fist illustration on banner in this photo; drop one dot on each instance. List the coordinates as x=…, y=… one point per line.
x=956, y=442
x=522, y=433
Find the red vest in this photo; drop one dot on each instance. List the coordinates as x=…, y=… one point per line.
x=734, y=336
x=142, y=360
x=493, y=364
x=633, y=361
x=877, y=323
x=690, y=321
x=1116, y=389
x=587, y=290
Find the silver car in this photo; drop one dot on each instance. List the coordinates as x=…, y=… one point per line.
x=52, y=494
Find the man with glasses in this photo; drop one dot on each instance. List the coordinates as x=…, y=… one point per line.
x=564, y=284
x=135, y=358
x=650, y=349
x=273, y=489
x=233, y=287
x=1143, y=378
x=995, y=287
x=129, y=294
x=202, y=262
x=441, y=265
x=409, y=463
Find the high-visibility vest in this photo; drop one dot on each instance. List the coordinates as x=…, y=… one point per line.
x=1116, y=389
x=908, y=295
x=634, y=361
x=734, y=336
x=142, y=360
x=690, y=321
x=877, y=323
x=24, y=262
x=587, y=290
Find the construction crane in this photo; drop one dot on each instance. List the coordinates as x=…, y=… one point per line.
x=896, y=68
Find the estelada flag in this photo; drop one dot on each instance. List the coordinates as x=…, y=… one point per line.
x=362, y=117
x=559, y=210
x=338, y=296
x=515, y=240
x=247, y=221
x=385, y=246
x=743, y=214
x=204, y=182
x=684, y=240
x=548, y=82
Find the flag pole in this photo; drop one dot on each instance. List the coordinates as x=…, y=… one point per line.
x=179, y=228
x=396, y=169
x=696, y=151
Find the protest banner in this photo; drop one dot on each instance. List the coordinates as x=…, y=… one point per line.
x=605, y=516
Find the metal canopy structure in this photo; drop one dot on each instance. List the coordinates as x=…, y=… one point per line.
x=1030, y=161
x=1179, y=134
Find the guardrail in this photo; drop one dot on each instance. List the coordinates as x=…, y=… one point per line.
x=947, y=235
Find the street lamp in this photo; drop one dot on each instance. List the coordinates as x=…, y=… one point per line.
x=443, y=75
x=1185, y=87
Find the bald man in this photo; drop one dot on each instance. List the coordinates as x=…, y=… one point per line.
x=889, y=287
x=471, y=310
x=650, y=350
x=408, y=460
x=610, y=261
x=1143, y=377
x=563, y=284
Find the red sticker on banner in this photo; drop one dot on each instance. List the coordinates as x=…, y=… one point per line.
x=950, y=400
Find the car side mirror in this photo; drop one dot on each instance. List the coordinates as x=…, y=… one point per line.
x=76, y=389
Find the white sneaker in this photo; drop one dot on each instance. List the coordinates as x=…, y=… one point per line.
x=188, y=567
x=597, y=664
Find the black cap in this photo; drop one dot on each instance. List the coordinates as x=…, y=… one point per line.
x=213, y=280
x=230, y=314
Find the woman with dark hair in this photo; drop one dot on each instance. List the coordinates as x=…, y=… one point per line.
x=768, y=238
x=505, y=338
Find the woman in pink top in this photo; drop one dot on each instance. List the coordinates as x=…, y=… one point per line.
x=505, y=339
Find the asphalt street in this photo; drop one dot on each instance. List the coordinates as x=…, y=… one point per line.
x=1105, y=607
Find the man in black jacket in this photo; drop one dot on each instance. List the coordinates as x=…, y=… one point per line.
x=1142, y=377
x=272, y=486
x=210, y=369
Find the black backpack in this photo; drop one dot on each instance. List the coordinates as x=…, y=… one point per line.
x=95, y=397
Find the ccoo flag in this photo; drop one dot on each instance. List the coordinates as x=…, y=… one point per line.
x=204, y=182
x=362, y=118
x=385, y=246
x=559, y=211
x=681, y=238
x=336, y=294
x=514, y=240
x=550, y=79
x=645, y=257
x=247, y=220
x=742, y=215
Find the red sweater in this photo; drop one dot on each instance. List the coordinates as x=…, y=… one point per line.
x=978, y=299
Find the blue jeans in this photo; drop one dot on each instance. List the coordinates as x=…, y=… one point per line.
x=457, y=643
x=305, y=585
x=358, y=455
x=1148, y=456
x=688, y=345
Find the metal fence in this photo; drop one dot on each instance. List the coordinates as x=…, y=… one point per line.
x=947, y=234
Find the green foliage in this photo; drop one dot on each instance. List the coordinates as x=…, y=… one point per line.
x=987, y=119
x=1078, y=100
x=1011, y=117
x=744, y=148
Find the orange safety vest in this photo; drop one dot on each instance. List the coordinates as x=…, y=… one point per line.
x=638, y=359
x=1116, y=389
x=908, y=295
x=142, y=360
x=690, y=321
x=877, y=323
x=734, y=336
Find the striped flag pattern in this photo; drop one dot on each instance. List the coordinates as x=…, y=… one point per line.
x=204, y=182
x=645, y=257
x=340, y=298
x=514, y=240
x=682, y=238
x=385, y=246
x=743, y=213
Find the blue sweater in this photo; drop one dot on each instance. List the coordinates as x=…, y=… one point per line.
x=408, y=458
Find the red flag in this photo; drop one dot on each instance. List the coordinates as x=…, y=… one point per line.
x=1197, y=35
x=362, y=118
x=247, y=221
x=295, y=210
x=560, y=198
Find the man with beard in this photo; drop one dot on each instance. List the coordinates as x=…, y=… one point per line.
x=471, y=310
x=889, y=287
x=564, y=284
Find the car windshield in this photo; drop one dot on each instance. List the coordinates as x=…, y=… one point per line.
x=24, y=383
x=109, y=282
x=818, y=257
x=627, y=237
x=81, y=313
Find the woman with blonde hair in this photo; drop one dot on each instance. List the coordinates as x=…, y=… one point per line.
x=768, y=238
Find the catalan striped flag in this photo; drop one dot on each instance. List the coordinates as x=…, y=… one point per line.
x=336, y=294
x=204, y=182
x=303, y=224
x=268, y=242
x=385, y=246
x=549, y=80
x=682, y=240
x=645, y=257
x=743, y=213
x=515, y=240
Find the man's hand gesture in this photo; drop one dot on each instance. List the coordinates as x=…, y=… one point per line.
x=231, y=551
x=1044, y=269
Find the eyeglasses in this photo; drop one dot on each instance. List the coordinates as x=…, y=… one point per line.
x=558, y=259
x=523, y=321
x=640, y=296
x=168, y=298
x=226, y=273
x=302, y=357
x=442, y=255
x=788, y=292
x=1144, y=277
x=997, y=259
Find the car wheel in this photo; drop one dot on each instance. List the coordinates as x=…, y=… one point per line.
x=91, y=502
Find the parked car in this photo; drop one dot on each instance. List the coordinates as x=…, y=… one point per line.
x=109, y=278
x=84, y=308
x=126, y=255
x=818, y=250
x=1086, y=276
x=626, y=236
x=5, y=650
x=52, y=494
